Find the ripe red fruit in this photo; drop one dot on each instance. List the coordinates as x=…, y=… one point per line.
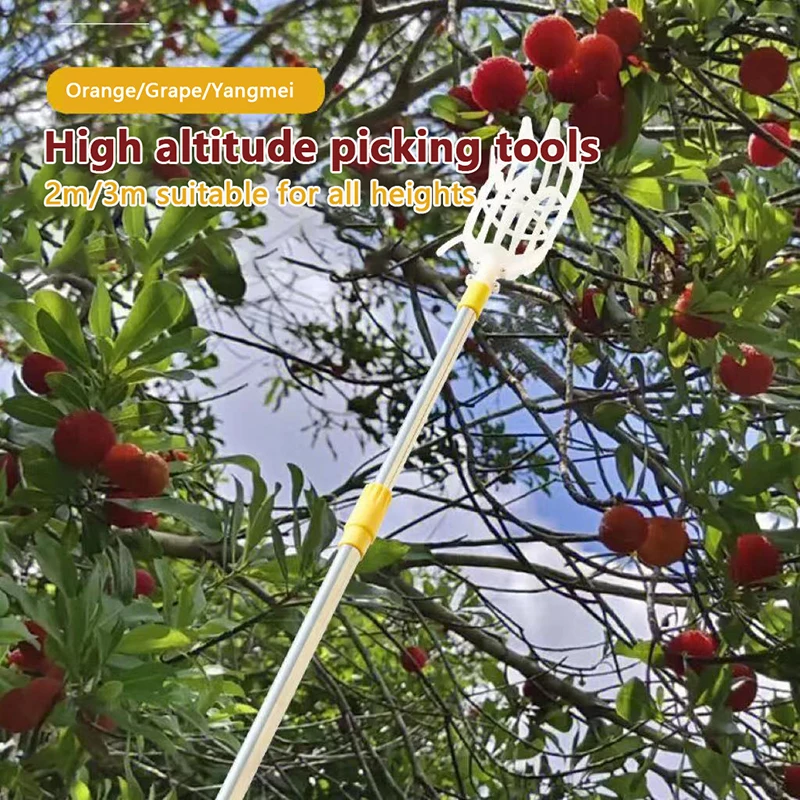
x=145, y=584
x=692, y=325
x=550, y=42
x=611, y=88
x=791, y=780
x=35, y=366
x=26, y=707
x=754, y=559
x=623, y=529
x=129, y=10
x=689, y=644
x=213, y=5
x=414, y=659
x=143, y=474
x=585, y=315
x=168, y=172
x=744, y=689
x=124, y=517
x=105, y=723
x=499, y=83
x=50, y=15
x=400, y=220
x=599, y=55
x=230, y=15
x=532, y=691
x=763, y=71
x=9, y=466
x=752, y=377
x=666, y=542
x=175, y=455
x=599, y=116
x=761, y=152
x=83, y=438
x=723, y=186
x=623, y=26
x=571, y=84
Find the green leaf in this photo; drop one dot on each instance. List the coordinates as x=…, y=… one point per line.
x=100, y=311
x=202, y=520
x=67, y=387
x=651, y=193
x=320, y=533
x=63, y=314
x=583, y=217
x=608, y=414
x=152, y=638
x=158, y=307
x=22, y=318
x=623, y=458
x=13, y=630
x=766, y=464
x=208, y=45
x=713, y=769
x=139, y=415
x=57, y=564
x=10, y=289
x=176, y=226
x=59, y=345
x=634, y=702
x=382, y=553
x=678, y=349
x=32, y=411
x=182, y=342
x=80, y=791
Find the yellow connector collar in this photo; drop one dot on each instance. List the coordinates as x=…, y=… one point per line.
x=365, y=519
x=476, y=296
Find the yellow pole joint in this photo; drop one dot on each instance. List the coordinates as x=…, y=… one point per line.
x=476, y=296
x=365, y=519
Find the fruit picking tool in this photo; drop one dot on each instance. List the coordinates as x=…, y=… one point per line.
x=508, y=232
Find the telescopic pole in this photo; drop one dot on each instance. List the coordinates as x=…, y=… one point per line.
x=359, y=532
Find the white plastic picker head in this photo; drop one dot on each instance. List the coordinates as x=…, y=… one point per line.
x=521, y=207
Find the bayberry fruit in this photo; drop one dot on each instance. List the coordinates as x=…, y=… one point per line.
x=414, y=659
x=571, y=84
x=623, y=529
x=754, y=559
x=763, y=71
x=688, y=645
x=83, y=438
x=550, y=42
x=599, y=116
x=499, y=83
x=692, y=325
x=761, y=152
x=9, y=466
x=145, y=584
x=751, y=377
x=667, y=542
x=599, y=55
x=744, y=689
x=36, y=367
x=623, y=26
x=143, y=474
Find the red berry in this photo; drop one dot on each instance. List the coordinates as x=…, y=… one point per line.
x=599, y=55
x=623, y=529
x=666, y=542
x=611, y=88
x=744, y=689
x=499, y=83
x=213, y=5
x=791, y=780
x=754, y=559
x=691, y=644
x=124, y=517
x=723, y=186
x=550, y=42
x=105, y=723
x=761, y=152
x=26, y=707
x=763, y=71
x=168, y=172
x=571, y=84
x=532, y=691
x=623, y=26
x=230, y=15
x=35, y=366
x=9, y=466
x=585, y=316
x=414, y=659
x=143, y=474
x=145, y=584
x=599, y=116
x=752, y=377
x=50, y=15
x=83, y=438
x=129, y=10
x=693, y=326
x=400, y=221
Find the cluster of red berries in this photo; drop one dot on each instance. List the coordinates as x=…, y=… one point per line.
x=26, y=707
x=750, y=374
x=585, y=72
x=657, y=542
